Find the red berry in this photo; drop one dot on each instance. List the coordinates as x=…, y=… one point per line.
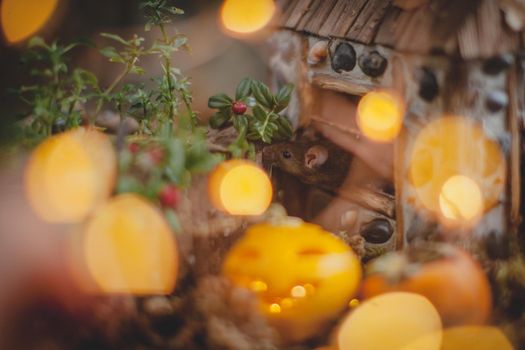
x=133, y=148
x=169, y=196
x=239, y=107
x=157, y=155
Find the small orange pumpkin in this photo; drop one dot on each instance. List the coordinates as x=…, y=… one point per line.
x=448, y=276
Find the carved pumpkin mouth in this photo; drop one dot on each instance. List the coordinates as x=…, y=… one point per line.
x=275, y=303
x=275, y=300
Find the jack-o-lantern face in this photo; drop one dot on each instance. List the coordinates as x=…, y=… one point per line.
x=303, y=276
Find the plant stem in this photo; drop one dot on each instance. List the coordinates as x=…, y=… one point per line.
x=167, y=68
x=112, y=86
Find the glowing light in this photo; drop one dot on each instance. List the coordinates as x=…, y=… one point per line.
x=392, y=321
x=258, y=286
x=452, y=146
x=380, y=116
x=242, y=16
x=275, y=308
x=129, y=248
x=69, y=174
x=460, y=198
x=310, y=289
x=475, y=337
x=23, y=18
x=291, y=260
x=353, y=303
x=298, y=292
x=240, y=187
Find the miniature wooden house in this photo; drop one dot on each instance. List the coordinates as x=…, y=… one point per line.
x=443, y=58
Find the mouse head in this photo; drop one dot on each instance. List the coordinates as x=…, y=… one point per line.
x=295, y=158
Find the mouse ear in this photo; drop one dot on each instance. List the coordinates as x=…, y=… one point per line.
x=315, y=156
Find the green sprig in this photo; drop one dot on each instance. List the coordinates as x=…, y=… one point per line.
x=265, y=123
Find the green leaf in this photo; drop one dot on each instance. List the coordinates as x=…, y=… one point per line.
x=262, y=94
x=173, y=220
x=163, y=49
x=219, y=118
x=239, y=147
x=283, y=97
x=128, y=184
x=69, y=47
x=265, y=124
x=83, y=76
x=284, y=131
x=111, y=53
x=240, y=123
x=180, y=42
x=200, y=160
x=137, y=70
x=243, y=89
x=37, y=42
x=259, y=113
x=176, y=160
x=116, y=38
x=219, y=101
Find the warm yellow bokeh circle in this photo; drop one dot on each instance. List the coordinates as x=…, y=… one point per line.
x=392, y=321
x=23, y=18
x=460, y=199
x=246, y=16
x=452, y=158
x=303, y=276
x=380, y=115
x=69, y=174
x=129, y=248
x=240, y=187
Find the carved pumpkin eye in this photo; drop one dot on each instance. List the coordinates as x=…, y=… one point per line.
x=378, y=231
x=287, y=154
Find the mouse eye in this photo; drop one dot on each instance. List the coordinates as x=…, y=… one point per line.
x=287, y=154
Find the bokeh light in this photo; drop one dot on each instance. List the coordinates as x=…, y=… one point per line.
x=460, y=199
x=69, y=174
x=392, y=321
x=456, y=170
x=302, y=275
x=380, y=115
x=240, y=187
x=450, y=278
x=129, y=248
x=23, y=18
x=242, y=16
x=475, y=337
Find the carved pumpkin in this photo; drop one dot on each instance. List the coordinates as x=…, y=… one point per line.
x=302, y=275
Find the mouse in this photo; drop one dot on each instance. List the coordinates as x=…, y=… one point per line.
x=319, y=162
